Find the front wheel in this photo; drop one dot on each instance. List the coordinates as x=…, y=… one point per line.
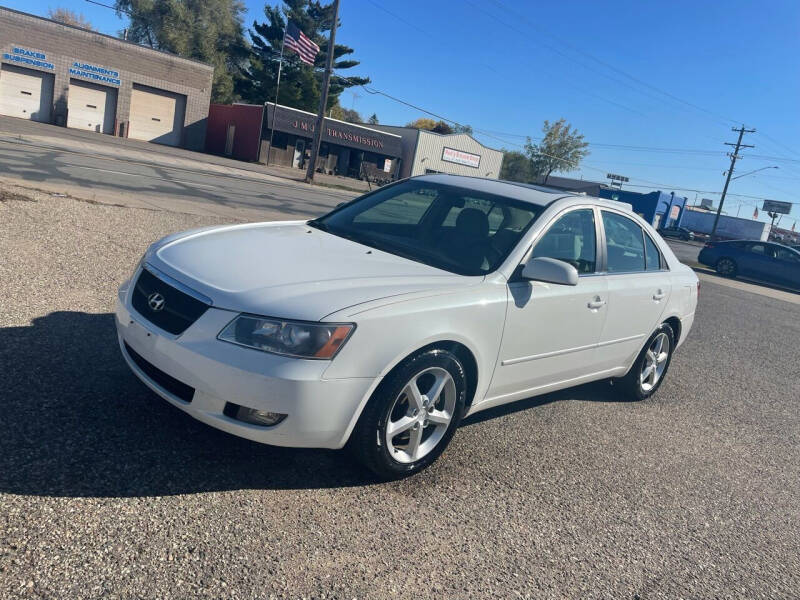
x=410, y=419
x=650, y=367
x=727, y=267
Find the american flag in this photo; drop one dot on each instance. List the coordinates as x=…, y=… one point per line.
x=296, y=40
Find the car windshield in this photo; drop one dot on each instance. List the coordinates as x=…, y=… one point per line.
x=450, y=228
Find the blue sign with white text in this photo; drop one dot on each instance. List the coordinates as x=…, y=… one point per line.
x=28, y=57
x=94, y=72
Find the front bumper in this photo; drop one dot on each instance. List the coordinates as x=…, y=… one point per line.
x=320, y=411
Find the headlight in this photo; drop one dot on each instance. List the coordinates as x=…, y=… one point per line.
x=289, y=338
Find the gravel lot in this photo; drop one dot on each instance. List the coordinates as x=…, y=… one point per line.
x=107, y=491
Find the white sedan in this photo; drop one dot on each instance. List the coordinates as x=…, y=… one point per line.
x=383, y=323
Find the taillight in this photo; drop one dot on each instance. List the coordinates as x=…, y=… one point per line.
x=709, y=244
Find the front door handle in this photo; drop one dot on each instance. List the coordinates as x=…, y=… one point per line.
x=596, y=303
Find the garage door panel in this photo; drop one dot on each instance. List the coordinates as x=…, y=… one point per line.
x=157, y=115
x=26, y=93
x=91, y=106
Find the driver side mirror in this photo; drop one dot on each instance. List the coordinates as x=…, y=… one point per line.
x=550, y=270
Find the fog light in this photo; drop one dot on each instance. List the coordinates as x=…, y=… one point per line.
x=252, y=416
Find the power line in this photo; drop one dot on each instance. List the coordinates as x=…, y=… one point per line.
x=122, y=10
x=612, y=67
x=777, y=143
x=584, y=165
x=633, y=78
x=375, y=91
x=659, y=96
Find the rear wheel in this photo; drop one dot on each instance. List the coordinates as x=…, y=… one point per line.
x=650, y=368
x=410, y=419
x=727, y=267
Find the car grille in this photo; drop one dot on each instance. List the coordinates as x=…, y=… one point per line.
x=168, y=382
x=175, y=311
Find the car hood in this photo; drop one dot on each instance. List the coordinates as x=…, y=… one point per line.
x=289, y=270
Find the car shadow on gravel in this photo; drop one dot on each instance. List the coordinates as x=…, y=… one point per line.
x=74, y=421
x=599, y=391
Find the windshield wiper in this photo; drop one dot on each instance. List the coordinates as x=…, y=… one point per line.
x=316, y=224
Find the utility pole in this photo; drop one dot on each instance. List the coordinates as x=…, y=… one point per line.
x=323, y=101
x=774, y=216
x=734, y=157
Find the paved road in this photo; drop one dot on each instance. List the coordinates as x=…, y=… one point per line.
x=163, y=185
x=685, y=251
x=107, y=491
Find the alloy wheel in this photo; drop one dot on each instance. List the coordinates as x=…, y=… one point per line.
x=420, y=415
x=655, y=362
x=726, y=267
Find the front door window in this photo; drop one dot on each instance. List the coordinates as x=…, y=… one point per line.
x=571, y=239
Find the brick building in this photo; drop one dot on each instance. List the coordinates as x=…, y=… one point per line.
x=73, y=77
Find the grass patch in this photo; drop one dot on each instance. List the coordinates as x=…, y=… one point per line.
x=6, y=196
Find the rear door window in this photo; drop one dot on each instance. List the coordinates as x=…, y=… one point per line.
x=624, y=244
x=786, y=254
x=653, y=259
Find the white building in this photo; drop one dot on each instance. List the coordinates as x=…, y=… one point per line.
x=455, y=153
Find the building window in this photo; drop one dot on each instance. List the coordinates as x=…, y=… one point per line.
x=280, y=140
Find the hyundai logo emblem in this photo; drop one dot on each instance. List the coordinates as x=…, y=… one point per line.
x=156, y=301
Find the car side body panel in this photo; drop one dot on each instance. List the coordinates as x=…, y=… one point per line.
x=398, y=306
x=389, y=332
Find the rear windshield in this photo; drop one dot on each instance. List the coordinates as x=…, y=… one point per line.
x=450, y=228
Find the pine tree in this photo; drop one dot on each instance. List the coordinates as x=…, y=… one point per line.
x=300, y=83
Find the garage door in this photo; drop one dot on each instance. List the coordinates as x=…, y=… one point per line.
x=26, y=93
x=156, y=115
x=91, y=106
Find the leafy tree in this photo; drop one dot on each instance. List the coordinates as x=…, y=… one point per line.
x=301, y=84
x=462, y=129
x=561, y=150
x=211, y=31
x=431, y=125
x=516, y=167
x=69, y=17
x=345, y=114
x=373, y=120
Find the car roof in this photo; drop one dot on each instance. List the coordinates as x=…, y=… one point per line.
x=527, y=192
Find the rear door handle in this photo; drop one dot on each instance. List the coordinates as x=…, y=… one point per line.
x=596, y=303
x=659, y=295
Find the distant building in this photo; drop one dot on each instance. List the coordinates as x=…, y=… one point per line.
x=567, y=184
x=56, y=73
x=732, y=228
x=427, y=152
x=657, y=208
x=376, y=152
x=346, y=149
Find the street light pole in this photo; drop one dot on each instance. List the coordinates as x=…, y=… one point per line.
x=756, y=171
x=734, y=157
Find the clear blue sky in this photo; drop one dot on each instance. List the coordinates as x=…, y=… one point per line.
x=617, y=70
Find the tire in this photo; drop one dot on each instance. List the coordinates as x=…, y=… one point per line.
x=420, y=437
x=634, y=386
x=727, y=267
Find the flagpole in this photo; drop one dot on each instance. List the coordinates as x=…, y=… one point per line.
x=277, y=89
x=323, y=100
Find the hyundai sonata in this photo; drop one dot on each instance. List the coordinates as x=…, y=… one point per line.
x=383, y=323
